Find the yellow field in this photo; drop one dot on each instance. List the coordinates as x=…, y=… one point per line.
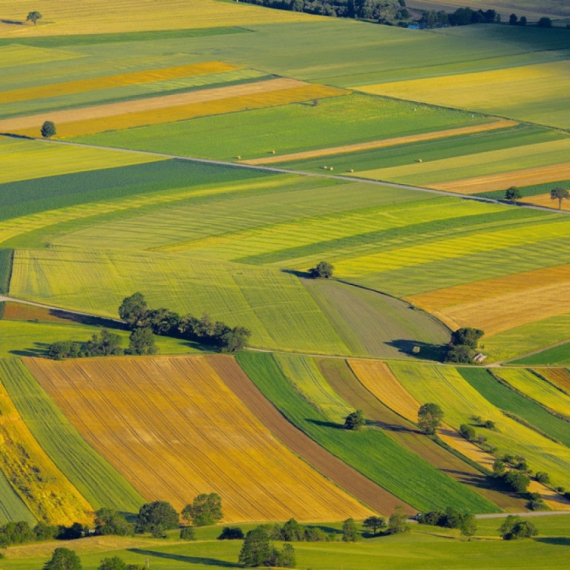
x=173, y=429
x=67, y=17
x=504, y=180
x=25, y=160
x=121, y=80
x=558, y=376
x=160, y=110
x=383, y=143
x=490, y=288
x=15, y=55
x=546, y=201
x=41, y=485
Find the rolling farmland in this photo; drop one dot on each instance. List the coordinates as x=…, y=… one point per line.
x=174, y=430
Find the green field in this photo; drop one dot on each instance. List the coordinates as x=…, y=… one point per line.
x=505, y=399
x=12, y=508
x=556, y=356
x=100, y=484
x=370, y=451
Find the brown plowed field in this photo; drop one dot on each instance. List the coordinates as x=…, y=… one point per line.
x=346, y=477
x=22, y=312
x=502, y=124
x=174, y=430
x=345, y=383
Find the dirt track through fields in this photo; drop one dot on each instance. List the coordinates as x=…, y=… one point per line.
x=502, y=124
x=336, y=470
x=148, y=104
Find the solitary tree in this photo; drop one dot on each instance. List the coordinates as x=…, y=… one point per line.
x=544, y=23
x=157, y=515
x=187, y=533
x=468, y=432
x=467, y=336
x=559, y=194
x=204, y=510
x=430, y=416
x=323, y=270
x=349, y=531
x=34, y=17
x=63, y=559
x=513, y=194
x=514, y=528
x=374, y=524
x=355, y=420
x=397, y=522
x=48, y=130
x=468, y=526
x=513, y=19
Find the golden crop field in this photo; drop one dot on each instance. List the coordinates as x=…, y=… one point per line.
x=66, y=17
x=170, y=108
x=15, y=55
x=173, y=429
x=558, y=376
x=42, y=486
x=546, y=201
x=121, y=80
x=502, y=124
x=25, y=160
x=527, y=177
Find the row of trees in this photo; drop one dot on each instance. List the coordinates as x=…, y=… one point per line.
x=135, y=312
x=461, y=17
x=450, y=518
x=22, y=533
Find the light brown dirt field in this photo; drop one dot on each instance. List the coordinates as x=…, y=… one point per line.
x=504, y=312
x=558, y=376
x=477, y=291
x=21, y=312
x=504, y=180
x=380, y=380
x=546, y=201
x=336, y=470
x=502, y=124
x=149, y=104
x=137, y=77
x=175, y=430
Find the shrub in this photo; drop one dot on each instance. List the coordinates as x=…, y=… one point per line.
x=517, y=481
x=349, y=531
x=188, y=533
x=514, y=528
x=355, y=420
x=114, y=563
x=205, y=510
x=156, y=517
x=323, y=270
x=468, y=432
x=231, y=533
x=542, y=477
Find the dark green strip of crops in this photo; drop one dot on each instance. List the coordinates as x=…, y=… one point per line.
x=53, y=192
x=506, y=399
x=93, y=39
x=558, y=355
x=94, y=478
x=398, y=237
x=370, y=451
x=6, y=260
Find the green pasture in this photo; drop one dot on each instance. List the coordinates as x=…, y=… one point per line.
x=509, y=400
x=461, y=402
x=12, y=508
x=370, y=451
x=371, y=323
x=297, y=127
x=93, y=477
x=556, y=356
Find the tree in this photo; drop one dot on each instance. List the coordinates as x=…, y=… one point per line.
x=513, y=19
x=349, y=531
x=374, y=524
x=513, y=194
x=397, y=523
x=159, y=514
x=517, y=481
x=109, y=521
x=460, y=354
x=355, y=420
x=287, y=558
x=231, y=533
x=141, y=341
x=467, y=336
x=134, y=310
x=468, y=432
x=514, y=528
x=48, y=130
x=235, y=339
x=187, y=533
x=73, y=532
x=498, y=468
x=542, y=477
x=205, y=510
x=256, y=549
x=430, y=416
x=522, y=21
x=559, y=194
x=468, y=525
x=544, y=23
x=63, y=559
x=323, y=270
x=34, y=17
x=114, y=563
x=291, y=531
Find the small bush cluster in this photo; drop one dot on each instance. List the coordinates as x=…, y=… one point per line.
x=22, y=533
x=515, y=528
x=292, y=531
x=257, y=550
x=463, y=345
x=103, y=344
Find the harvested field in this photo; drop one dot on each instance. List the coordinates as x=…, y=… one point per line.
x=169, y=108
x=558, y=376
x=502, y=124
x=504, y=180
x=477, y=497
x=546, y=201
x=174, y=430
x=41, y=485
x=134, y=78
x=477, y=291
x=326, y=463
x=22, y=312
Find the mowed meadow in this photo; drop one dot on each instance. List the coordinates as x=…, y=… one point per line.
x=208, y=155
